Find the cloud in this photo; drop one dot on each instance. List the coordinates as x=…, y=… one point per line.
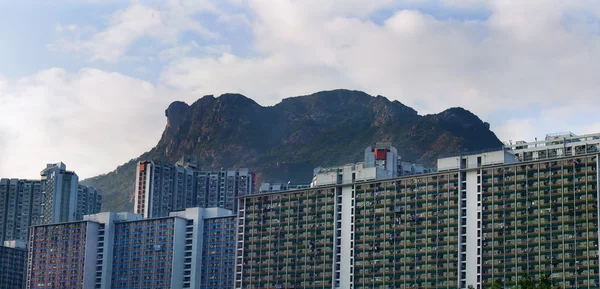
x=71, y=27
x=527, y=67
x=92, y=120
x=523, y=55
x=174, y=52
x=163, y=23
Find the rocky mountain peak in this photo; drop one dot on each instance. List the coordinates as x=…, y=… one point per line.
x=286, y=141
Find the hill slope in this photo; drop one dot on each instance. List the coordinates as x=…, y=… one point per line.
x=286, y=141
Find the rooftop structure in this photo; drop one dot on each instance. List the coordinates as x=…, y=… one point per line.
x=276, y=187
x=381, y=162
x=555, y=145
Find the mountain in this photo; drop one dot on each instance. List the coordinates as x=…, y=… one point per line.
x=286, y=141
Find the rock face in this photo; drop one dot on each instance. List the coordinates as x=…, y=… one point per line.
x=286, y=141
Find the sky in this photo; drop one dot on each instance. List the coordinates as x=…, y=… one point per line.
x=86, y=82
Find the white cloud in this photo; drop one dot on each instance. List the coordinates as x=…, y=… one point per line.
x=71, y=27
x=92, y=120
x=531, y=67
x=517, y=129
x=523, y=55
x=163, y=23
x=174, y=52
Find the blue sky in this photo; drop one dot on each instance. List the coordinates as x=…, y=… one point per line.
x=86, y=82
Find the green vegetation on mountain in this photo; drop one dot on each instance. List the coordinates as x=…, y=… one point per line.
x=286, y=141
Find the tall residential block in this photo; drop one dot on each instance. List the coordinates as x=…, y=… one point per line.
x=20, y=207
x=164, y=188
x=483, y=217
x=13, y=259
x=218, y=255
x=122, y=250
x=57, y=197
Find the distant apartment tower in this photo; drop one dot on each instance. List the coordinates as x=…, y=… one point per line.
x=89, y=201
x=164, y=188
x=20, y=207
x=122, y=250
x=55, y=198
x=13, y=259
x=221, y=188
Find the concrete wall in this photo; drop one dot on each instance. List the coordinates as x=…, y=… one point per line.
x=91, y=249
x=472, y=243
x=178, y=253
x=347, y=241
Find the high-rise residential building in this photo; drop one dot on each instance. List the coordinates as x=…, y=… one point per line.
x=163, y=188
x=55, y=198
x=13, y=258
x=89, y=201
x=62, y=255
x=483, y=217
x=20, y=207
x=122, y=250
x=60, y=193
x=218, y=254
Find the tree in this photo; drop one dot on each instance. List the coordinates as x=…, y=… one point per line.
x=470, y=287
x=496, y=285
x=526, y=282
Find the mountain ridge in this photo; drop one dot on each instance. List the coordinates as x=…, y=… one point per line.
x=286, y=141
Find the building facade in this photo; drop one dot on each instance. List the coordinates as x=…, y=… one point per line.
x=20, y=207
x=164, y=188
x=483, y=217
x=60, y=194
x=62, y=255
x=13, y=258
x=218, y=254
x=89, y=201
x=56, y=197
x=122, y=250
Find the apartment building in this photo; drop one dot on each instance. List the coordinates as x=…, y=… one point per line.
x=62, y=255
x=20, y=207
x=13, y=258
x=484, y=216
x=164, y=188
x=56, y=197
x=122, y=250
x=89, y=201
x=218, y=255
